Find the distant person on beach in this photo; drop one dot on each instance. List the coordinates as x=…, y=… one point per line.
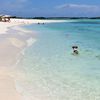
x=75, y=51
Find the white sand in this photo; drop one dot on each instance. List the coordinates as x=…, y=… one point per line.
x=29, y=21
x=7, y=87
x=9, y=50
x=16, y=42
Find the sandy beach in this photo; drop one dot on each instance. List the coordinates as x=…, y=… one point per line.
x=13, y=40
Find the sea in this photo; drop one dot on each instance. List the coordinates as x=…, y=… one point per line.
x=51, y=70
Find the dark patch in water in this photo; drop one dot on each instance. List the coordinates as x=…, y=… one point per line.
x=98, y=57
x=86, y=22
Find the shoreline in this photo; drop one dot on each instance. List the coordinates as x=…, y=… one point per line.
x=12, y=43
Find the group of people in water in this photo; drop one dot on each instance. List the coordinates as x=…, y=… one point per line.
x=40, y=23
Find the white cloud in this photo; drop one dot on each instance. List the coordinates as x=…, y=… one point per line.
x=79, y=6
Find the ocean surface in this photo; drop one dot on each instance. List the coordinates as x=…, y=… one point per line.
x=52, y=72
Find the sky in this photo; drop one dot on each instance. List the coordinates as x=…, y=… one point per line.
x=50, y=8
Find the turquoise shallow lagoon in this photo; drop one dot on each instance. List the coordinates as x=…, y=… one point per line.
x=52, y=72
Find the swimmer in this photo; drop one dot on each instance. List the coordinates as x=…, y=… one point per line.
x=75, y=51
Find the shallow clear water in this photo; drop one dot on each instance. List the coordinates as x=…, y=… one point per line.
x=52, y=72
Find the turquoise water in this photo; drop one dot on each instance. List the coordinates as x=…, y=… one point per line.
x=52, y=72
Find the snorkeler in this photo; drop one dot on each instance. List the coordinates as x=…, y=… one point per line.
x=75, y=51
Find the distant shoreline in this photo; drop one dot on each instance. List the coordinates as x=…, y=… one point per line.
x=55, y=18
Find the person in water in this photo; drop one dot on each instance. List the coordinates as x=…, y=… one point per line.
x=75, y=51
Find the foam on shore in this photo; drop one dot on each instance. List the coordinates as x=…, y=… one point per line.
x=30, y=41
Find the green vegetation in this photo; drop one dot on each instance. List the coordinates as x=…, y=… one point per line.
x=0, y=18
x=39, y=18
x=55, y=18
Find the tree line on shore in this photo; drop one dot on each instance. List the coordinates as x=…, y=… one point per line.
x=52, y=17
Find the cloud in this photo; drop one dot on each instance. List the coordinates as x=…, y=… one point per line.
x=79, y=6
